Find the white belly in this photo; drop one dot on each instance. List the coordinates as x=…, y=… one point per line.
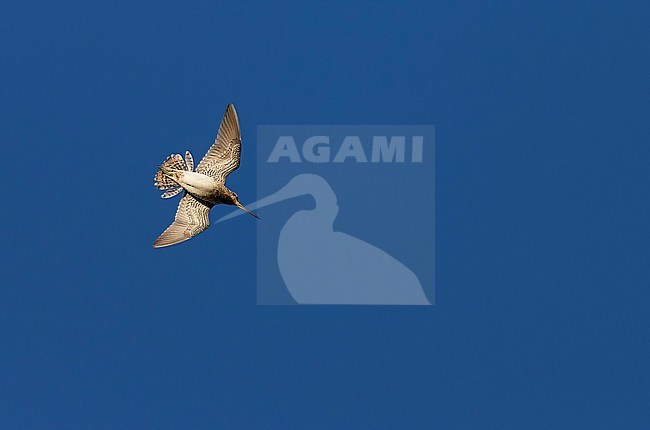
x=198, y=183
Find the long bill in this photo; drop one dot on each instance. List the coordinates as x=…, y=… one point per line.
x=242, y=207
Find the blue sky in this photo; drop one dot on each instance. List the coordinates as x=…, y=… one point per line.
x=542, y=268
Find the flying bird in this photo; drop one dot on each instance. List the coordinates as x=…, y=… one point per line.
x=203, y=188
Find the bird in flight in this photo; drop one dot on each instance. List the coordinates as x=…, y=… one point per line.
x=203, y=188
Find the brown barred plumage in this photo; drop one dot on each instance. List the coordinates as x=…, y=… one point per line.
x=205, y=187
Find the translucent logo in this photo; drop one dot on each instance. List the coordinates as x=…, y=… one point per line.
x=348, y=215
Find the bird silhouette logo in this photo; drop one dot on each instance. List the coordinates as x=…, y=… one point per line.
x=349, y=270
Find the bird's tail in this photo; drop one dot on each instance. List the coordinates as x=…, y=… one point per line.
x=164, y=181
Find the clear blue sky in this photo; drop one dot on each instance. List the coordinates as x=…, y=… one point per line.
x=541, y=315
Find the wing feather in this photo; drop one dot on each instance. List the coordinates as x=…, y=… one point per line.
x=192, y=217
x=189, y=161
x=224, y=155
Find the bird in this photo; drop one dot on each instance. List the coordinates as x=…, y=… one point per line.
x=203, y=188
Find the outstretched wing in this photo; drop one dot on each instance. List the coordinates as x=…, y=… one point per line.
x=223, y=156
x=191, y=219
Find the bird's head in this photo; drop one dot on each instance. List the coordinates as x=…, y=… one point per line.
x=236, y=202
x=232, y=196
